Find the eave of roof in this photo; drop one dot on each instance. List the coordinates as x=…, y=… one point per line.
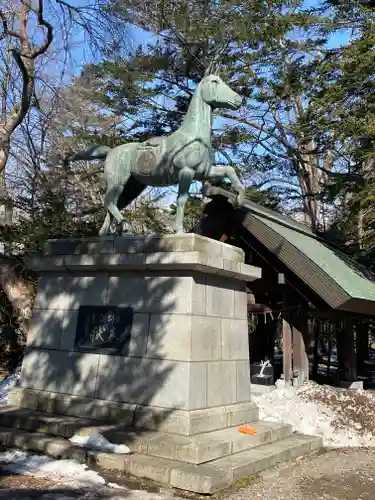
x=341, y=282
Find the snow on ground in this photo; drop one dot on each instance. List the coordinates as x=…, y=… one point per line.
x=7, y=384
x=99, y=443
x=343, y=417
x=69, y=472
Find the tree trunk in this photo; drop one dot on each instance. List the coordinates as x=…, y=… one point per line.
x=18, y=291
x=5, y=201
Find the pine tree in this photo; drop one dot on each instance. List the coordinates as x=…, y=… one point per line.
x=344, y=106
x=264, y=49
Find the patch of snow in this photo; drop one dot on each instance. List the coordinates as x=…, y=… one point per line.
x=70, y=472
x=343, y=417
x=6, y=384
x=100, y=443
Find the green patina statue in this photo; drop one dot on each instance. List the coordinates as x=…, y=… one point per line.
x=178, y=158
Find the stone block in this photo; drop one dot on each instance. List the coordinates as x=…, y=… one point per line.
x=45, y=328
x=208, y=264
x=51, y=263
x=177, y=243
x=232, y=253
x=191, y=450
x=139, y=335
x=143, y=466
x=68, y=330
x=60, y=371
x=199, y=294
x=248, y=273
x=155, y=244
x=15, y=396
x=221, y=383
x=29, y=398
x=205, y=339
x=127, y=290
x=135, y=244
x=241, y=413
x=197, y=395
x=121, y=413
x=168, y=294
x=156, y=382
x=230, y=268
x=76, y=406
x=206, y=479
x=143, y=381
x=240, y=300
x=250, y=462
x=179, y=260
x=193, y=422
x=169, y=337
x=71, y=246
x=107, y=461
x=186, y=423
x=235, y=343
x=156, y=293
x=206, y=420
x=219, y=297
x=56, y=291
x=243, y=381
x=6, y=436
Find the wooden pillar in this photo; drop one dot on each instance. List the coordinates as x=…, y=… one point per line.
x=261, y=341
x=287, y=331
x=346, y=352
x=295, y=335
x=316, y=332
x=362, y=349
x=300, y=339
x=287, y=351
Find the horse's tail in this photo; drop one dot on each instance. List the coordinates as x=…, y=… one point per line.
x=94, y=153
x=104, y=230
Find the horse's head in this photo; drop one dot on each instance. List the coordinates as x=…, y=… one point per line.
x=218, y=94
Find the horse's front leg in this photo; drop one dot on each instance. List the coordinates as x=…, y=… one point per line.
x=185, y=179
x=220, y=172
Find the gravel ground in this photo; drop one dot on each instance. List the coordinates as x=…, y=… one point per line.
x=16, y=487
x=334, y=475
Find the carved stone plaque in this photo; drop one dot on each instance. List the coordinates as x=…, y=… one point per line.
x=104, y=329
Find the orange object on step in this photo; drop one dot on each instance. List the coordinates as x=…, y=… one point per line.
x=247, y=430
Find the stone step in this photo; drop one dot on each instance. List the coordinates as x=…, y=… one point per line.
x=202, y=448
x=197, y=449
x=209, y=479
x=40, y=442
x=248, y=463
x=38, y=421
x=206, y=478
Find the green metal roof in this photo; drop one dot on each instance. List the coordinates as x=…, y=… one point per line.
x=338, y=280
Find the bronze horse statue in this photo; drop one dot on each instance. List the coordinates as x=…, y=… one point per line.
x=179, y=158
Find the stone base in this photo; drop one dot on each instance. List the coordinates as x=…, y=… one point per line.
x=204, y=463
x=184, y=422
x=357, y=385
x=151, y=332
x=262, y=389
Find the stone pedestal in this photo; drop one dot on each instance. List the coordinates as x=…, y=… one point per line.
x=143, y=331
